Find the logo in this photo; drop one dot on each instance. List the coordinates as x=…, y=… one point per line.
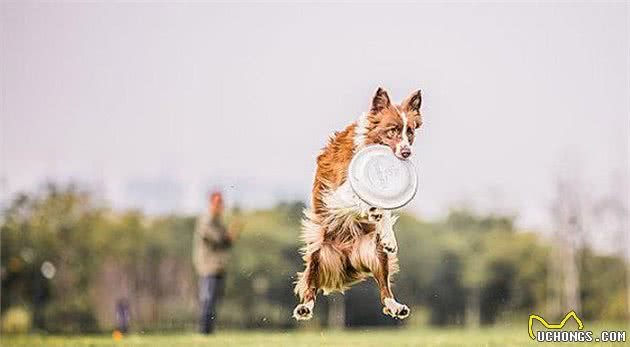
x=383, y=174
x=553, y=326
x=555, y=334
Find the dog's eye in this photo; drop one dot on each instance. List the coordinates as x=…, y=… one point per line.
x=391, y=133
x=409, y=133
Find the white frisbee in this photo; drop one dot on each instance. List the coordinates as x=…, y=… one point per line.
x=382, y=180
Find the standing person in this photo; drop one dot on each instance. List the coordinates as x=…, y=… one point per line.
x=122, y=315
x=211, y=252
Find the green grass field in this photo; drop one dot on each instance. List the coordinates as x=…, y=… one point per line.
x=495, y=336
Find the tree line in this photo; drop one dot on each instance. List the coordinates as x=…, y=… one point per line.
x=67, y=259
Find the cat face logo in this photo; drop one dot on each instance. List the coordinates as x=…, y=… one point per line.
x=553, y=326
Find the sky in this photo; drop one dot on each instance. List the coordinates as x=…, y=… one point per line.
x=153, y=104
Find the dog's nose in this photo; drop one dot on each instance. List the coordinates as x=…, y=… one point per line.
x=405, y=152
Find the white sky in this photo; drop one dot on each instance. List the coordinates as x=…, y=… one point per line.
x=188, y=93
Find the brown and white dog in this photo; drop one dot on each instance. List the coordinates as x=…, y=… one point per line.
x=346, y=240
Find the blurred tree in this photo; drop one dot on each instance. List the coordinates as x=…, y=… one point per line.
x=68, y=260
x=46, y=242
x=446, y=292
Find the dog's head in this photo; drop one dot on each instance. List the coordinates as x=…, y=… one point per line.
x=392, y=125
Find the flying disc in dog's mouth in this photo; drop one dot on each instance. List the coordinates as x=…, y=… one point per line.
x=382, y=180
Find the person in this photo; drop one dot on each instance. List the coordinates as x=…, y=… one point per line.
x=122, y=315
x=211, y=251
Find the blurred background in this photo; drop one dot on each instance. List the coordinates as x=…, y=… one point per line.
x=117, y=120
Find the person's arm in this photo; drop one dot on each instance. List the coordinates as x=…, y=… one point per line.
x=212, y=234
x=234, y=230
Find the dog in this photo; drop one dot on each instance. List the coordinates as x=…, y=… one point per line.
x=346, y=240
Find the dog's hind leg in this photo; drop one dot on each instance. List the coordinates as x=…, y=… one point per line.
x=381, y=271
x=306, y=288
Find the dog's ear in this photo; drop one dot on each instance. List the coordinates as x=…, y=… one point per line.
x=380, y=101
x=413, y=101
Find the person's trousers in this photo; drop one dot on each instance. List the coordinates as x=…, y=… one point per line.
x=210, y=292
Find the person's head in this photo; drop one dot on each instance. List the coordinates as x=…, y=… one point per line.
x=215, y=204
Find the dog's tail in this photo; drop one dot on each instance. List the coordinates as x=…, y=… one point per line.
x=331, y=274
x=326, y=264
x=321, y=255
x=312, y=233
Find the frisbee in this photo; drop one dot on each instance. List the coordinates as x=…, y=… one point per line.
x=382, y=180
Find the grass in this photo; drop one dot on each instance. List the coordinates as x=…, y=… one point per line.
x=494, y=336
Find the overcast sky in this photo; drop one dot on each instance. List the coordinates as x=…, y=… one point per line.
x=135, y=97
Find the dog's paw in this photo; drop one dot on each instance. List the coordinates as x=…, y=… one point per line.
x=389, y=245
x=303, y=312
x=395, y=309
x=375, y=215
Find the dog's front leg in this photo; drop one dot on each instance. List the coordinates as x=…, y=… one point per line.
x=375, y=214
x=385, y=228
x=344, y=201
